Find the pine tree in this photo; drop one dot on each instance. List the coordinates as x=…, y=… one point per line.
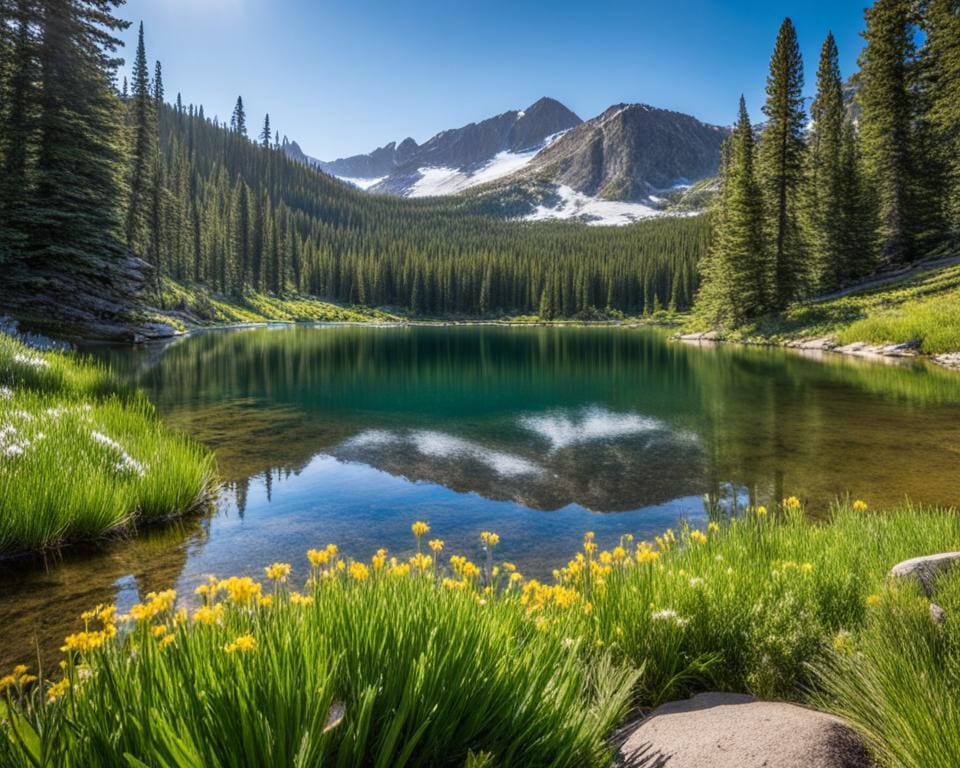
x=824, y=183
x=735, y=272
x=941, y=23
x=886, y=124
x=18, y=126
x=781, y=168
x=856, y=214
x=143, y=152
x=77, y=258
x=265, y=134
x=238, y=122
x=158, y=86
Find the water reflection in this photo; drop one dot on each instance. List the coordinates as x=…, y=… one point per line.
x=348, y=434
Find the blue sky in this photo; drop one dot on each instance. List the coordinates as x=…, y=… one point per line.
x=345, y=77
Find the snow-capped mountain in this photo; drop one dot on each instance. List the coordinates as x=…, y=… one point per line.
x=631, y=162
x=455, y=159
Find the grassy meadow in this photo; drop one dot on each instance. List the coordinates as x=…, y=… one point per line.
x=188, y=305
x=922, y=309
x=437, y=660
x=80, y=457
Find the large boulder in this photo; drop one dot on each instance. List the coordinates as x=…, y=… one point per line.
x=726, y=730
x=926, y=569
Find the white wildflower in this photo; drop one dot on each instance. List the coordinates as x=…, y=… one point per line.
x=6, y=393
x=109, y=442
x=33, y=362
x=668, y=614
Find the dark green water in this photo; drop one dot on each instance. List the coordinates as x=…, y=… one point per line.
x=349, y=434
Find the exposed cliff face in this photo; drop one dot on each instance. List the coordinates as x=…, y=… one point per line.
x=630, y=152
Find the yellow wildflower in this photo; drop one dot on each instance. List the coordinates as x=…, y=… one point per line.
x=859, y=505
x=698, y=536
x=265, y=600
x=713, y=527
x=207, y=614
x=159, y=631
x=241, y=590
x=318, y=557
x=297, y=599
x=873, y=599
x=58, y=689
x=761, y=511
x=791, y=503
x=436, y=545
x=490, y=539
x=806, y=567
x=515, y=578
x=278, y=572
x=167, y=640
x=619, y=553
x=358, y=571
x=509, y=567
x=420, y=529
x=646, y=553
x=421, y=562
x=243, y=644
x=379, y=558
x=83, y=641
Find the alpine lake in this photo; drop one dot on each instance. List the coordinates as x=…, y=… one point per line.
x=349, y=434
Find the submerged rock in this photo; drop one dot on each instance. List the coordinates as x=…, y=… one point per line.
x=728, y=730
x=926, y=569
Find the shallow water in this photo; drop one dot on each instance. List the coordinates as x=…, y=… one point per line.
x=349, y=434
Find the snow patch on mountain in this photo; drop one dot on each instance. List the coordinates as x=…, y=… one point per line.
x=363, y=184
x=576, y=205
x=435, y=181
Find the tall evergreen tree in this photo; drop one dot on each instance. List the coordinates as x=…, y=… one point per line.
x=941, y=23
x=143, y=151
x=886, y=123
x=781, y=167
x=736, y=269
x=18, y=126
x=158, y=86
x=77, y=258
x=238, y=122
x=824, y=182
x=265, y=134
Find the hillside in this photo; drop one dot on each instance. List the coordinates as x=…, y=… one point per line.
x=900, y=313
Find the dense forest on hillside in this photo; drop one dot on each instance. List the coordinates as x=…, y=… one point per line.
x=817, y=201
x=109, y=190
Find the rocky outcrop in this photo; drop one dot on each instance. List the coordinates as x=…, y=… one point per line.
x=926, y=570
x=630, y=152
x=726, y=730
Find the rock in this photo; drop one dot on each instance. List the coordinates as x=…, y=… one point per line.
x=937, y=614
x=725, y=730
x=949, y=360
x=925, y=569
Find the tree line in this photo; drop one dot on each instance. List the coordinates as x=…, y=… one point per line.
x=809, y=203
x=109, y=189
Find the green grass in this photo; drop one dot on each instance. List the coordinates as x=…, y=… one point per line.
x=190, y=305
x=923, y=309
x=898, y=679
x=80, y=457
x=429, y=662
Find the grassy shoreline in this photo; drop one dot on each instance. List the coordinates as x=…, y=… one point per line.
x=82, y=458
x=440, y=661
x=919, y=314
